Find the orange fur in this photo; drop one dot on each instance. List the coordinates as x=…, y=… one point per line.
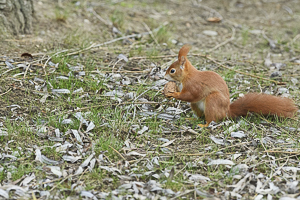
x=209, y=94
x=262, y=104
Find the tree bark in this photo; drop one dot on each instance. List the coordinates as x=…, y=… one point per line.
x=16, y=16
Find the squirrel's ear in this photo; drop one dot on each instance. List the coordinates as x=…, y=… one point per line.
x=182, y=62
x=184, y=51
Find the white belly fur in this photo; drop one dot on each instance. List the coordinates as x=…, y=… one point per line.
x=201, y=105
x=180, y=87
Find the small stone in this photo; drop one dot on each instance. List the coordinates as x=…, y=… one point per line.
x=256, y=32
x=210, y=33
x=274, y=74
x=86, y=21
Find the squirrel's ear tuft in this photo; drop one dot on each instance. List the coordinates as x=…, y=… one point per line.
x=182, y=62
x=184, y=51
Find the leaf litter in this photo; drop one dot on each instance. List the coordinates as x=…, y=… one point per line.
x=176, y=159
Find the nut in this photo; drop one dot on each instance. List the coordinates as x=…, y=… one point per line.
x=170, y=87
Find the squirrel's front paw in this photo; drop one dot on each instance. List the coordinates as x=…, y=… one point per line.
x=169, y=94
x=169, y=89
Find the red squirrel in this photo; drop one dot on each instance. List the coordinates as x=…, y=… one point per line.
x=209, y=95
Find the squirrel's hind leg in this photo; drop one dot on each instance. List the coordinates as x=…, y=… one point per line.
x=216, y=108
x=198, y=112
x=196, y=109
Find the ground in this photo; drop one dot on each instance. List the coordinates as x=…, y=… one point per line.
x=83, y=115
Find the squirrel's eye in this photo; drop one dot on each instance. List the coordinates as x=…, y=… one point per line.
x=173, y=71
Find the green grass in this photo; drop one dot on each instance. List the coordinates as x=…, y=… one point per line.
x=117, y=18
x=79, y=38
x=245, y=36
x=61, y=15
x=20, y=171
x=163, y=35
x=114, y=122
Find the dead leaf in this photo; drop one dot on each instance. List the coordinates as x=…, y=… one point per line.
x=214, y=19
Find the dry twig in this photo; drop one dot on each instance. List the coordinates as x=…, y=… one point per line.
x=6, y=92
x=117, y=152
x=225, y=42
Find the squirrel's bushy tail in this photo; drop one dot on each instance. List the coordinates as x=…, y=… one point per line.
x=263, y=104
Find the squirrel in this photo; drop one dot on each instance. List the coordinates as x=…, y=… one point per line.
x=208, y=94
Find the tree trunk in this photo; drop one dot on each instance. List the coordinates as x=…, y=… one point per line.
x=16, y=16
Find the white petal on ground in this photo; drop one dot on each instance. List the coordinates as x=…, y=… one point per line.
x=79, y=170
x=71, y=159
x=134, y=153
x=91, y=126
x=217, y=140
x=221, y=162
x=77, y=136
x=28, y=179
x=144, y=129
x=55, y=170
x=87, y=161
x=79, y=116
x=238, y=134
x=61, y=91
x=80, y=90
x=198, y=178
x=210, y=33
x=4, y=194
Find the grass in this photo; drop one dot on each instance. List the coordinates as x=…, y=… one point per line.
x=117, y=18
x=114, y=132
x=163, y=35
x=245, y=36
x=78, y=38
x=61, y=15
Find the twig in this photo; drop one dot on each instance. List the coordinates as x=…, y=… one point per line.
x=137, y=161
x=6, y=92
x=82, y=174
x=267, y=181
x=151, y=33
x=44, y=66
x=208, y=8
x=10, y=70
x=206, y=154
x=109, y=24
x=90, y=47
x=263, y=118
x=124, y=71
x=58, y=184
x=117, y=104
x=262, y=144
x=79, y=131
x=181, y=170
x=33, y=196
x=55, y=180
x=113, y=68
x=144, y=57
x=188, y=191
x=108, y=42
x=26, y=71
x=237, y=71
x=225, y=42
x=220, y=64
x=117, y=152
x=287, y=152
x=271, y=42
x=121, y=38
